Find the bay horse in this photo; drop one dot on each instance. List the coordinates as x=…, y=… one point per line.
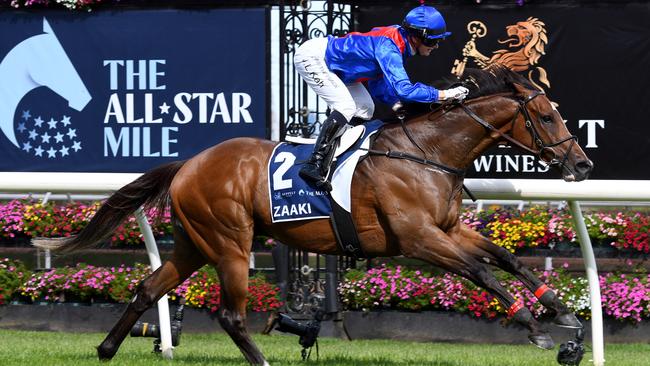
x=407, y=207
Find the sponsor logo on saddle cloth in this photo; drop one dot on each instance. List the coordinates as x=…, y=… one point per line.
x=292, y=198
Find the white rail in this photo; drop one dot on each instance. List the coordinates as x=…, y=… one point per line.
x=536, y=189
x=488, y=189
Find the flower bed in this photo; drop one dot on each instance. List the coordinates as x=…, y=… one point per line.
x=536, y=227
x=12, y=276
x=25, y=219
x=512, y=229
x=625, y=297
x=69, y=4
x=85, y=283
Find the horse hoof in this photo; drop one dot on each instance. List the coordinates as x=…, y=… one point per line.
x=104, y=354
x=567, y=320
x=543, y=340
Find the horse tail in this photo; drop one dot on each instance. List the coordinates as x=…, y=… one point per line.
x=149, y=190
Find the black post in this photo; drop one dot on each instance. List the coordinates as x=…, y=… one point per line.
x=281, y=261
x=331, y=284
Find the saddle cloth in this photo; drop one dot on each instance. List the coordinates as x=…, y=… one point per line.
x=294, y=199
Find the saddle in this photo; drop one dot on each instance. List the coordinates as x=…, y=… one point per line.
x=349, y=137
x=294, y=199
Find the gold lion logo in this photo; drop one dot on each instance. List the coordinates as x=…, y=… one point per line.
x=526, y=43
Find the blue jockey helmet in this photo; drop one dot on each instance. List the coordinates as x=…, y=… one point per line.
x=426, y=22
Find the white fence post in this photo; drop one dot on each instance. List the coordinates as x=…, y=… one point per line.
x=47, y=254
x=163, y=305
x=598, y=343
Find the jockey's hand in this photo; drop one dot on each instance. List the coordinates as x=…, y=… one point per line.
x=458, y=93
x=397, y=106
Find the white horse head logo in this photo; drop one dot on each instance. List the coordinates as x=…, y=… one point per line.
x=37, y=61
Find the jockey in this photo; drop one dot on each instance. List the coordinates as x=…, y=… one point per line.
x=336, y=67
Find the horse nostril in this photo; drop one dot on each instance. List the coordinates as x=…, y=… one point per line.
x=584, y=166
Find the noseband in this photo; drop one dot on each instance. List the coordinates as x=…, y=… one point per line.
x=530, y=127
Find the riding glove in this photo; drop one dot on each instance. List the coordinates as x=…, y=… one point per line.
x=458, y=93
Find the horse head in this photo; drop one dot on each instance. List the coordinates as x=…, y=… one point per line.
x=541, y=128
x=52, y=68
x=512, y=110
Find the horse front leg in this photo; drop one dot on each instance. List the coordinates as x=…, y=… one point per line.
x=482, y=249
x=436, y=247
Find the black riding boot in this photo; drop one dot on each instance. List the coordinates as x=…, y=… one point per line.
x=317, y=167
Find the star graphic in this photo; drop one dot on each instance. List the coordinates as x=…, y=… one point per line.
x=72, y=133
x=66, y=121
x=52, y=123
x=27, y=146
x=58, y=137
x=164, y=108
x=26, y=115
x=64, y=151
x=33, y=135
x=21, y=127
x=38, y=121
x=76, y=146
x=46, y=138
x=51, y=153
x=38, y=151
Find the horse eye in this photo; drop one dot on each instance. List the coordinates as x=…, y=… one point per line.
x=547, y=119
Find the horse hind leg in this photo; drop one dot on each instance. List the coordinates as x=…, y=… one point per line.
x=484, y=250
x=185, y=260
x=233, y=272
x=225, y=241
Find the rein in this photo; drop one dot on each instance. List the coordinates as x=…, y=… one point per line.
x=531, y=129
x=406, y=156
x=460, y=173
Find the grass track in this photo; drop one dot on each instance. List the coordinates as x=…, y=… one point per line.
x=50, y=348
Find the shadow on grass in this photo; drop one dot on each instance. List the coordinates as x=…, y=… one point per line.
x=329, y=361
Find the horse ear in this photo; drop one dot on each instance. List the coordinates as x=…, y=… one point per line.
x=521, y=90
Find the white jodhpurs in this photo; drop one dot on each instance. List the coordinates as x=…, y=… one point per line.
x=352, y=100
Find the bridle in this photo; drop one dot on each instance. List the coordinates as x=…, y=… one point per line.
x=528, y=122
x=530, y=127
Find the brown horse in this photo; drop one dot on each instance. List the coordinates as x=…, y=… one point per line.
x=401, y=207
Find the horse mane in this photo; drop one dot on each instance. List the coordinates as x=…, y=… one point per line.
x=495, y=79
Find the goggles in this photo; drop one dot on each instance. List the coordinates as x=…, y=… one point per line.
x=430, y=42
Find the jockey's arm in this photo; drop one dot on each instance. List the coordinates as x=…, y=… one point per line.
x=383, y=92
x=390, y=60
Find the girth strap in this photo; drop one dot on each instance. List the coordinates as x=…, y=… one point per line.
x=345, y=231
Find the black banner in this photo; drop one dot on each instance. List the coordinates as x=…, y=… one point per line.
x=592, y=60
x=128, y=90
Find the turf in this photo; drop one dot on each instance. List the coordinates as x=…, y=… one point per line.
x=50, y=348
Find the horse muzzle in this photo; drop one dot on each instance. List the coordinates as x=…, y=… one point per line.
x=579, y=172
